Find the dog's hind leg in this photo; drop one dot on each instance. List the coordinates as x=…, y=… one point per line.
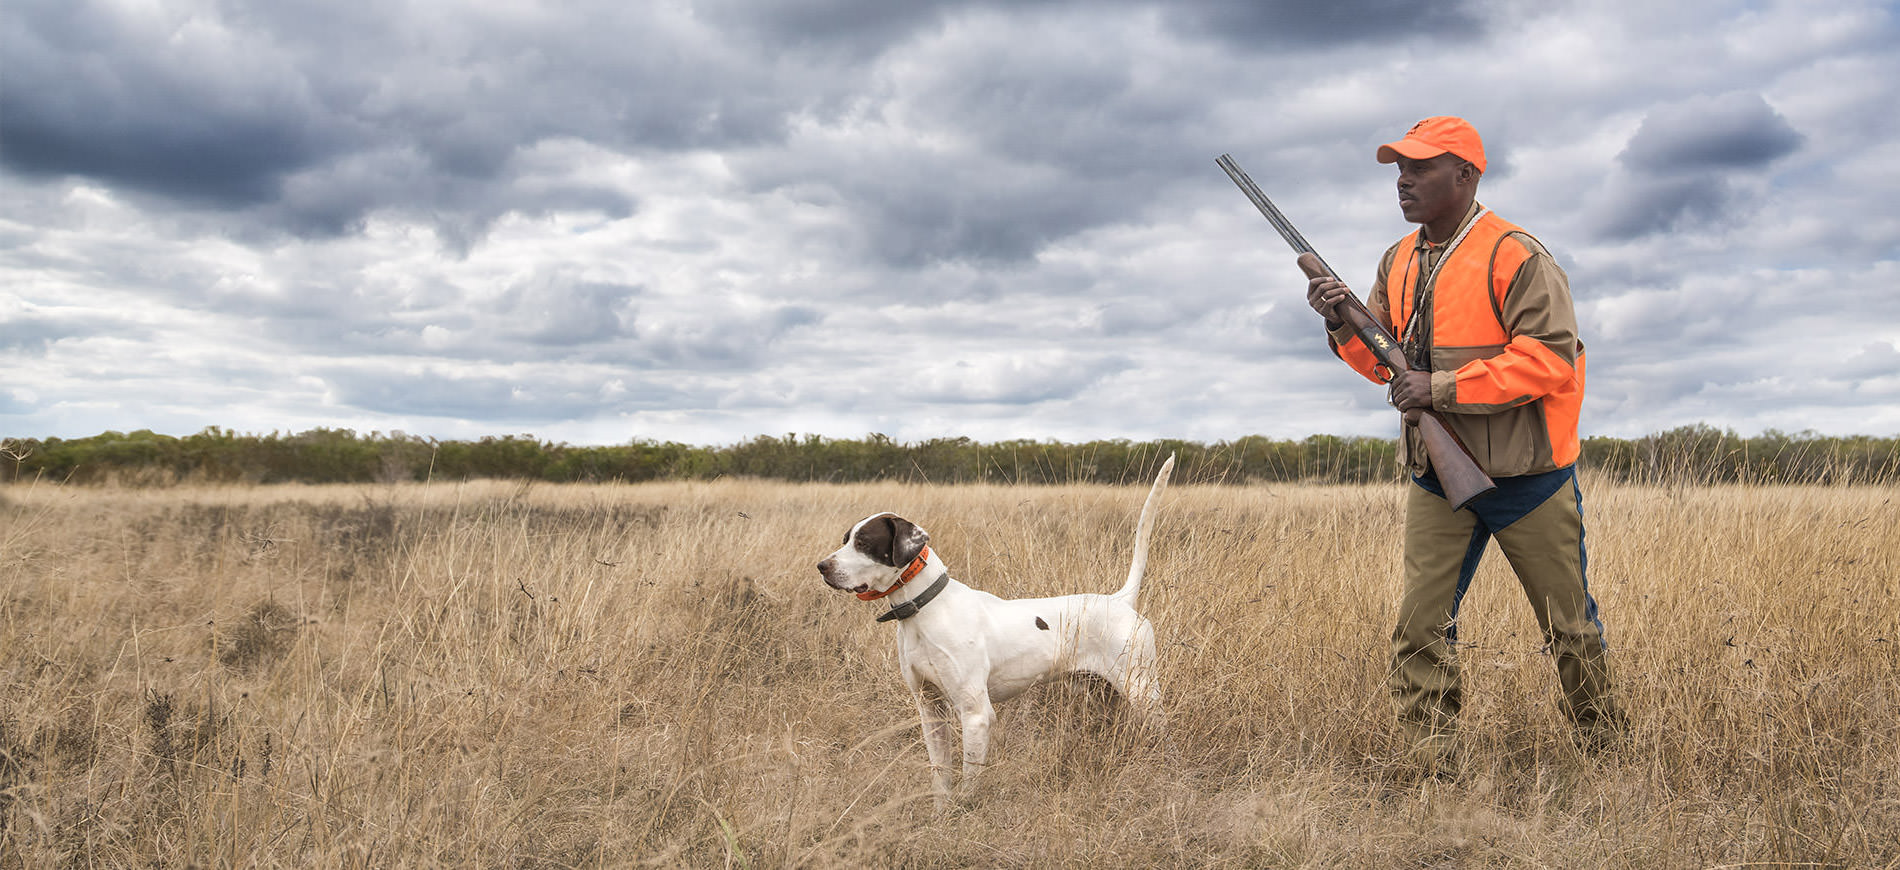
x=1137, y=685
x=1142, y=691
x=1135, y=674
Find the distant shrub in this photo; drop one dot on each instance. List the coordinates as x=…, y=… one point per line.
x=1691, y=454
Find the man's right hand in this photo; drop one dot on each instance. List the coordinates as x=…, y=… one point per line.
x=1324, y=294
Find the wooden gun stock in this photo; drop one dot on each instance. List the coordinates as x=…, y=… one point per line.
x=1457, y=472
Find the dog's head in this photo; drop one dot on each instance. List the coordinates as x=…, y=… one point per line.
x=875, y=553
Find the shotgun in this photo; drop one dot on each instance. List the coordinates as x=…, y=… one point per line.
x=1457, y=472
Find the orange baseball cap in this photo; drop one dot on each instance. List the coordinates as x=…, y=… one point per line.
x=1439, y=134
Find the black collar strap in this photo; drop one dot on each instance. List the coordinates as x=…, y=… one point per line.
x=909, y=608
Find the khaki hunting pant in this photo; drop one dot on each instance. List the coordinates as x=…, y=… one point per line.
x=1545, y=549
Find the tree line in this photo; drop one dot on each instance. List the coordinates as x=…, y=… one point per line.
x=1691, y=454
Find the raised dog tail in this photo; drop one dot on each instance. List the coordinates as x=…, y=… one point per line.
x=1146, y=524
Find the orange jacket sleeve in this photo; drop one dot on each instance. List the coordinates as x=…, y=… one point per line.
x=1347, y=345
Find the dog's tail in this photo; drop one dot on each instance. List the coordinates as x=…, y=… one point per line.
x=1143, y=526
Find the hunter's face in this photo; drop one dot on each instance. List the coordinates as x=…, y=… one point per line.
x=1431, y=190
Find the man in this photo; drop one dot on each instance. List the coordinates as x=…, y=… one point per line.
x=1484, y=316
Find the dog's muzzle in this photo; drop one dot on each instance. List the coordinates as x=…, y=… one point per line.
x=828, y=569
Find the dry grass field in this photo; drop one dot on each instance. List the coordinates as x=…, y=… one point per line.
x=496, y=674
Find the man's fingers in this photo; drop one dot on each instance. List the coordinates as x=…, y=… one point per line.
x=1325, y=292
x=1410, y=391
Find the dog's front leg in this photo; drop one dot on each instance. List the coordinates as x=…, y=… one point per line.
x=938, y=741
x=977, y=719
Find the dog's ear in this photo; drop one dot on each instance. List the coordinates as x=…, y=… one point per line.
x=907, y=540
x=890, y=540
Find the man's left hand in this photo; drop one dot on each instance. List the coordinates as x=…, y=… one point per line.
x=1411, y=390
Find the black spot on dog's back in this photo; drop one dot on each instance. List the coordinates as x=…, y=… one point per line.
x=1042, y=625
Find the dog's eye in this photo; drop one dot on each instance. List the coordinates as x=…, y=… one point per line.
x=847, y=538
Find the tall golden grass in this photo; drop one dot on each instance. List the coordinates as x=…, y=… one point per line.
x=493, y=674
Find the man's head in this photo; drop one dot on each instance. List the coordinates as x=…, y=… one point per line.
x=1440, y=161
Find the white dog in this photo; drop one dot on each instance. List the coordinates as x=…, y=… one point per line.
x=963, y=649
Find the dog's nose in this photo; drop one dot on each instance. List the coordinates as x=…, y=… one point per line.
x=825, y=567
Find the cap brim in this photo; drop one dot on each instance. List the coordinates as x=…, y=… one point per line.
x=1416, y=150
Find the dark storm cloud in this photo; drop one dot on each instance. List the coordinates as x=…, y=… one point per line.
x=309, y=116
x=90, y=93
x=333, y=199
x=1295, y=23
x=860, y=27
x=915, y=207
x=1684, y=166
x=1736, y=131
x=963, y=212
x=868, y=27
x=1049, y=143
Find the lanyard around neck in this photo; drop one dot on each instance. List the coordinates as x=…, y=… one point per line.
x=1428, y=282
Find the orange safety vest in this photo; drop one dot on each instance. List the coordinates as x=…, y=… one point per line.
x=1517, y=401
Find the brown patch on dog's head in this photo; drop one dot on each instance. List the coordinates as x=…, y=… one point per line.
x=890, y=540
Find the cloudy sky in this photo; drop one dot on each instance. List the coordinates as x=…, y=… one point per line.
x=600, y=220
